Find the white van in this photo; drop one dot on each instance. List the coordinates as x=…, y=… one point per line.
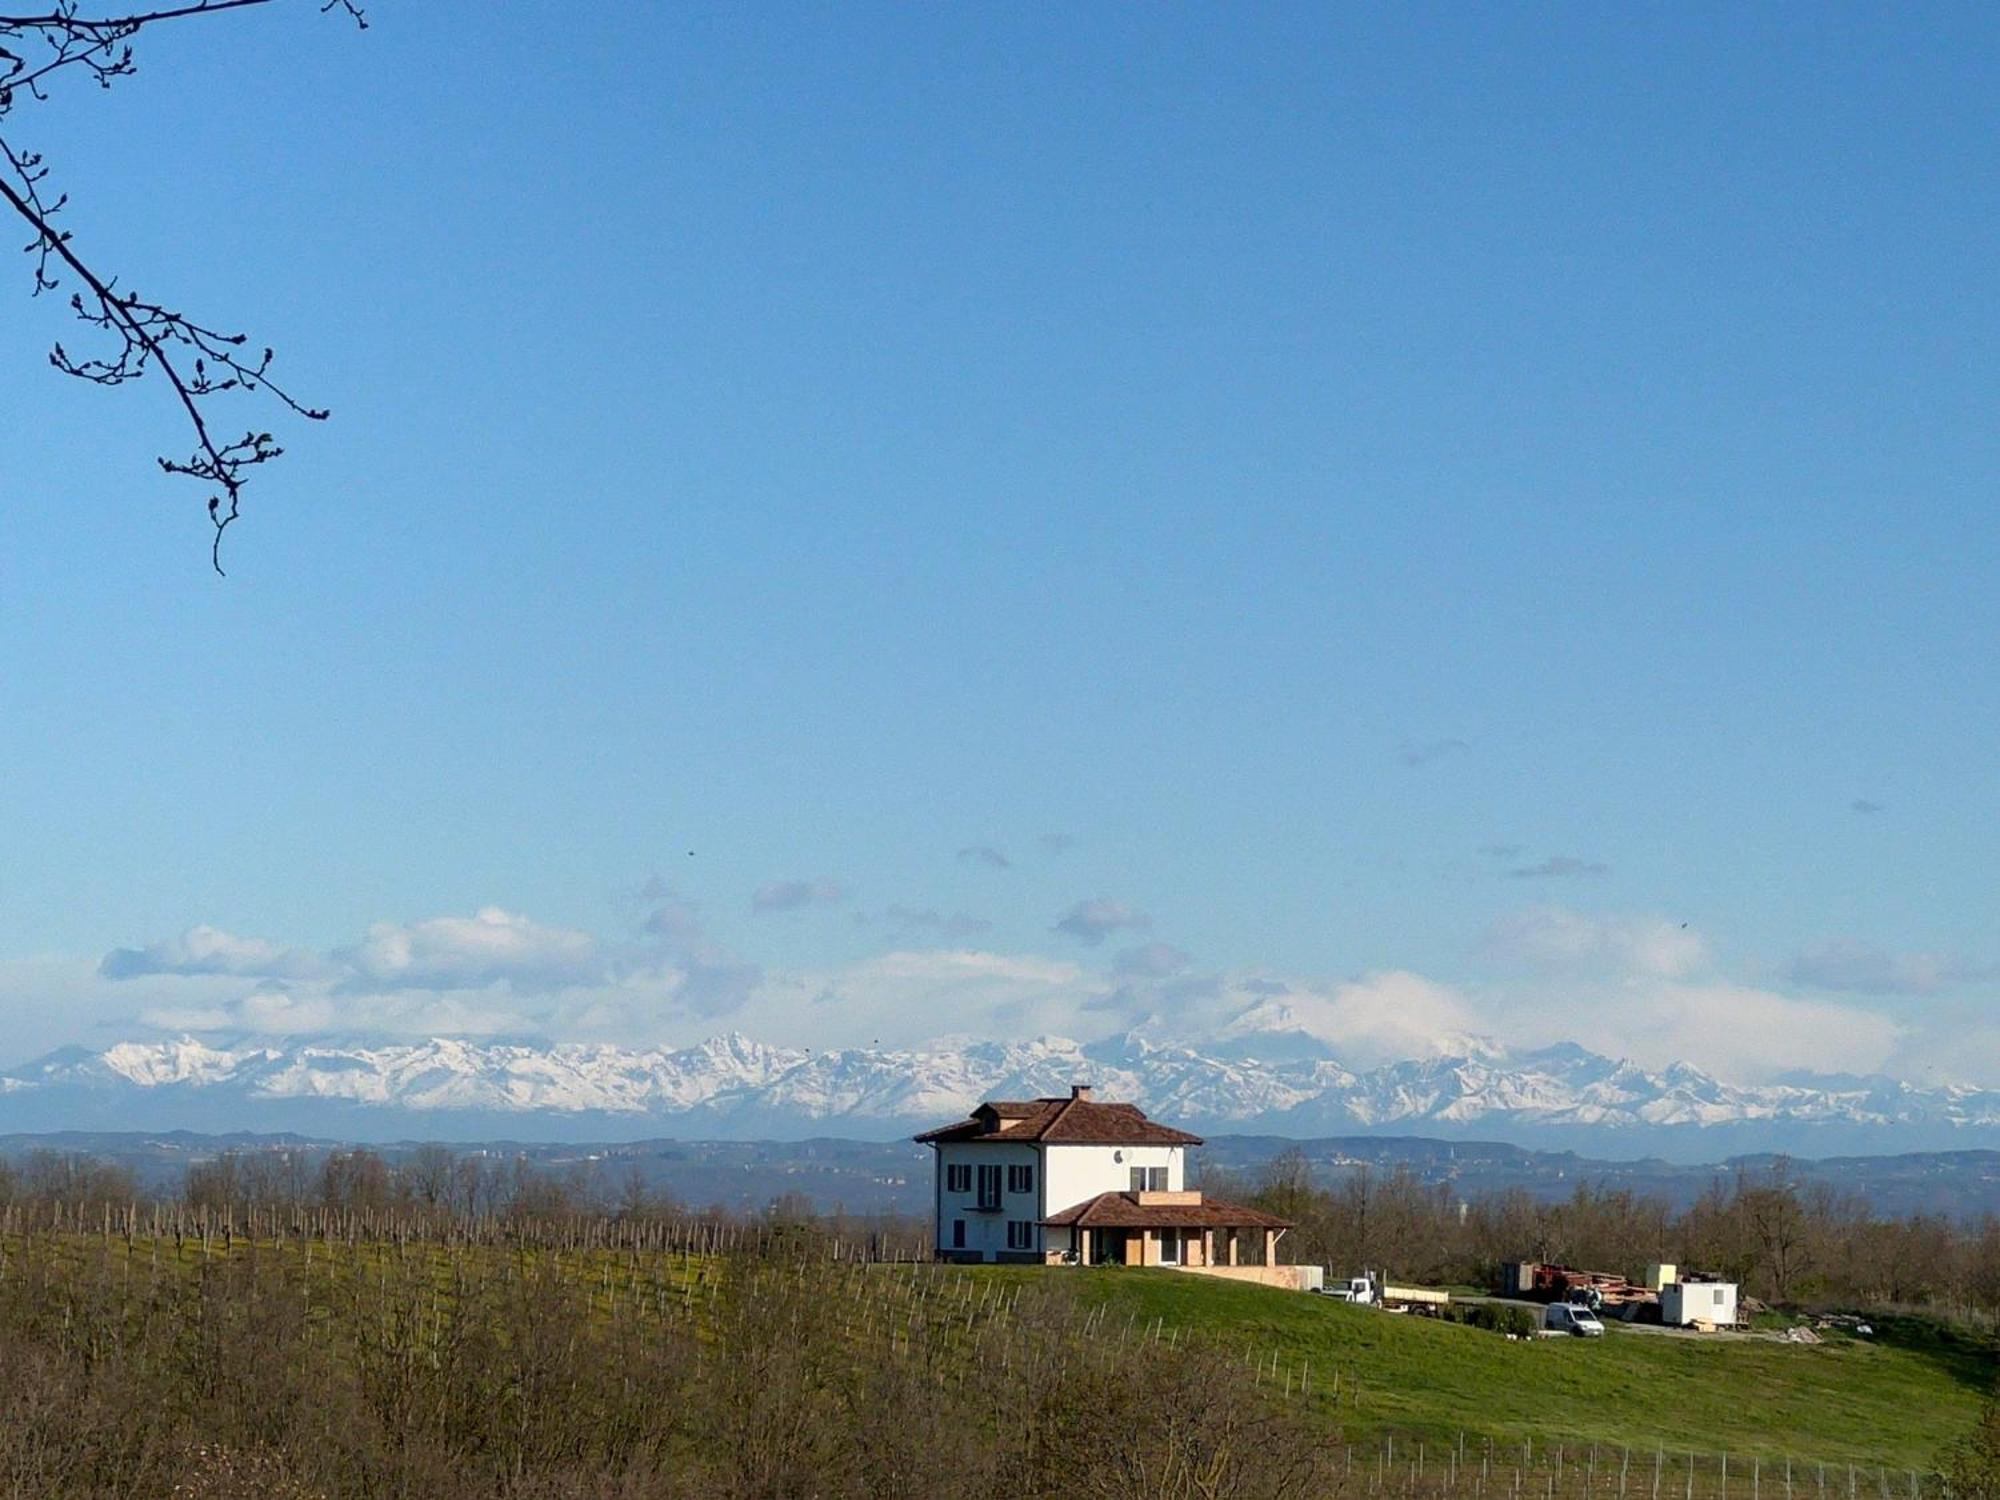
x=1561, y=1317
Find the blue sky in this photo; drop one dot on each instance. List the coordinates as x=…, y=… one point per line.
x=1422, y=503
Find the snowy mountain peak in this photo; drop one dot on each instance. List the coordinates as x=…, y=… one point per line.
x=733, y=1085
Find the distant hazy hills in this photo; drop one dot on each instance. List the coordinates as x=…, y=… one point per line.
x=731, y=1087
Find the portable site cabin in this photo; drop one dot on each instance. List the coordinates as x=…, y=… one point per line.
x=1685, y=1303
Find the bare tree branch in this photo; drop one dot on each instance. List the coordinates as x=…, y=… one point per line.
x=198, y=362
x=131, y=22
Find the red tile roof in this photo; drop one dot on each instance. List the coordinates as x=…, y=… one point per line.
x=1124, y=1211
x=1062, y=1122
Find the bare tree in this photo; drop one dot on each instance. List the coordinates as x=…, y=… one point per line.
x=134, y=335
x=1779, y=1226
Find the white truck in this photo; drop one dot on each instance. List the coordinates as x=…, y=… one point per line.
x=1370, y=1290
x=1571, y=1318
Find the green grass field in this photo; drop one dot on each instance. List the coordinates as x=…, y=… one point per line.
x=1888, y=1402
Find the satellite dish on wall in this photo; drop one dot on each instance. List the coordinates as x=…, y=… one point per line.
x=1118, y=1156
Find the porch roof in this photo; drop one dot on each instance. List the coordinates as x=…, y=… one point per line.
x=1125, y=1211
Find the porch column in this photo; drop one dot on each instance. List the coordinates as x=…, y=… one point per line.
x=1234, y=1250
x=1083, y=1247
x=1270, y=1247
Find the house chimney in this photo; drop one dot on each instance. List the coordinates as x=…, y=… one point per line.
x=1079, y=1091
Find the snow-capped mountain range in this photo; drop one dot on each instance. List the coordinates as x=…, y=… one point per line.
x=733, y=1087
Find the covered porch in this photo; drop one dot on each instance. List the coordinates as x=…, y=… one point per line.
x=1182, y=1230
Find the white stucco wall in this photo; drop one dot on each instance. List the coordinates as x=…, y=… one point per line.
x=1064, y=1177
x=986, y=1232
x=1078, y=1172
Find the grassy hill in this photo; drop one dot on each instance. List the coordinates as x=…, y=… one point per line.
x=1890, y=1401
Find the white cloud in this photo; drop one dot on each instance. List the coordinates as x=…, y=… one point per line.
x=490, y=947
x=1559, y=867
x=676, y=923
x=1647, y=987
x=711, y=990
x=949, y=925
x=796, y=895
x=1091, y=922
x=702, y=978
x=1642, y=986
x=1745, y=1034
x=962, y=965
x=1960, y=1052
x=1153, y=960
x=1558, y=940
x=914, y=994
x=402, y=1012
x=205, y=950
x=1845, y=964
x=1381, y=1017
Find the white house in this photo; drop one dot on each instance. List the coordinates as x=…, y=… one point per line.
x=1081, y=1181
